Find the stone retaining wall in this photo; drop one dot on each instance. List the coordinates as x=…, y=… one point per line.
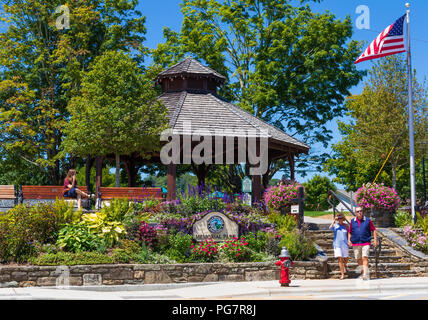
x=118, y=274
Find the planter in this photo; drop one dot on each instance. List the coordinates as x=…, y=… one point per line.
x=382, y=218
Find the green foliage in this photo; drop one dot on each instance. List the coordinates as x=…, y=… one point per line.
x=236, y=250
x=71, y=259
x=195, y=203
x=118, y=209
x=298, y=245
x=178, y=247
x=256, y=241
x=23, y=226
x=65, y=211
x=204, y=251
x=379, y=121
x=42, y=69
x=402, y=218
x=284, y=223
x=422, y=222
x=99, y=224
x=78, y=238
x=117, y=104
x=316, y=192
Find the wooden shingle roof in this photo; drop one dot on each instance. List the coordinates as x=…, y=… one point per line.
x=205, y=111
x=190, y=66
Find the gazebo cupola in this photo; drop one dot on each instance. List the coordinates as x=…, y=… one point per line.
x=190, y=75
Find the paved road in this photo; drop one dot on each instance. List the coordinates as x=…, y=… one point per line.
x=331, y=289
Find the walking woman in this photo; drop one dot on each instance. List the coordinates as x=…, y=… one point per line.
x=71, y=190
x=340, y=242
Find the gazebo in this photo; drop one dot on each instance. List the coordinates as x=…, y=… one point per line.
x=189, y=92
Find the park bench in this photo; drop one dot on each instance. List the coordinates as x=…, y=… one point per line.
x=106, y=194
x=34, y=194
x=8, y=197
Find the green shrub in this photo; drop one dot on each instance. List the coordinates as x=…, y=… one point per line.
x=118, y=209
x=23, y=226
x=70, y=259
x=65, y=211
x=316, y=193
x=131, y=252
x=422, y=223
x=179, y=247
x=195, y=203
x=402, y=218
x=298, y=245
x=257, y=241
x=78, y=238
x=272, y=246
x=284, y=223
x=102, y=225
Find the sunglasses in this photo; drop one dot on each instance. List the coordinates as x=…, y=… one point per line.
x=359, y=211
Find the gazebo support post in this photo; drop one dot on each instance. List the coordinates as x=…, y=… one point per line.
x=99, y=173
x=257, y=188
x=171, y=182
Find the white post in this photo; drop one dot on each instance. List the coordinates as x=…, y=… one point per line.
x=411, y=134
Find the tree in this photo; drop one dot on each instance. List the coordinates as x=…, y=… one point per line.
x=117, y=111
x=380, y=122
x=42, y=67
x=316, y=192
x=285, y=64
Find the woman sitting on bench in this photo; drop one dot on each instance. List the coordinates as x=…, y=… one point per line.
x=71, y=190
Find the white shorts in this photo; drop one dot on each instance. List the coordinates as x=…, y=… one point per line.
x=341, y=252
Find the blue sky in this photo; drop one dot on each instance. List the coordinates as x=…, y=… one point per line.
x=382, y=13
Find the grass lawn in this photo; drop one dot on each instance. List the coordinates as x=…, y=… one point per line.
x=323, y=213
x=316, y=213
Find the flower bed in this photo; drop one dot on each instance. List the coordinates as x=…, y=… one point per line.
x=416, y=238
x=149, y=233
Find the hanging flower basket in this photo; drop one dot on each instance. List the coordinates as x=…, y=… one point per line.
x=379, y=202
x=280, y=197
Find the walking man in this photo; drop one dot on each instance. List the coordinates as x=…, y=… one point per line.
x=359, y=237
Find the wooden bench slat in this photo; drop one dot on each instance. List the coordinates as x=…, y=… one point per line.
x=7, y=192
x=45, y=192
x=108, y=193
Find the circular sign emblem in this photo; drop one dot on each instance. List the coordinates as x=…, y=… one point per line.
x=215, y=224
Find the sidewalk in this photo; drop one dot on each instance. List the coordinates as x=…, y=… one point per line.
x=225, y=290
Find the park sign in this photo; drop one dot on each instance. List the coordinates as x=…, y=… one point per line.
x=247, y=186
x=216, y=226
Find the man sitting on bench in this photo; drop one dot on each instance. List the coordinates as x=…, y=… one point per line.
x=71, y=190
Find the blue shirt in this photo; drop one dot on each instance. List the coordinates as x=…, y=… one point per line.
x=340, y=236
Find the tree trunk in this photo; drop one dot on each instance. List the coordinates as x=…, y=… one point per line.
x=117, y=171
x=201, y=172
x=131, y=171
x=99, y=173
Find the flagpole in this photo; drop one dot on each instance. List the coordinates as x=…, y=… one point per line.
x=411, y=133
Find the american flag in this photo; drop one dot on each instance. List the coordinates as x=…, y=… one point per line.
x=389, y=41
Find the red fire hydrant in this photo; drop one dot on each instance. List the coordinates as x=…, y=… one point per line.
x=285, y=264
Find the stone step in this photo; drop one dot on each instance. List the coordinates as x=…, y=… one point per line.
x=384, y=252
x=380, y=274
x=381, y=266
x=371, y=259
